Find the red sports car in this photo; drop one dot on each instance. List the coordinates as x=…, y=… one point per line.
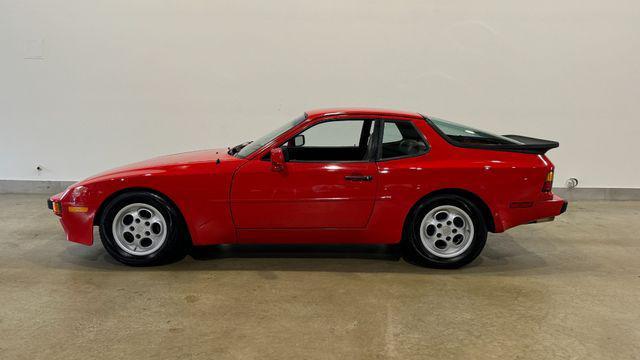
x=339, y=176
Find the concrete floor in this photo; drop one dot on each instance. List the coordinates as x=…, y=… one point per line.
x=567, y=289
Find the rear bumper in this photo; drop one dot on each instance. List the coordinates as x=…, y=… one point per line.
x=564, y=207
x=540, y=211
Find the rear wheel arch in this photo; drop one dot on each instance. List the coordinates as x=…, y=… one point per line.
x=472, y=197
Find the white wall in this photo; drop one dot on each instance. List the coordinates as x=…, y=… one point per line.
x=88, y=85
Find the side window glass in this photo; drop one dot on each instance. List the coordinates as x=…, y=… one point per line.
x=340, y=140
x=345, y=133
x=391, y=133
x=401, y=138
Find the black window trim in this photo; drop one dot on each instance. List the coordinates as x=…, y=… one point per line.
x=381, y=136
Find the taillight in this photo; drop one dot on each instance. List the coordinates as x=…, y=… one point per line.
x=548, y=182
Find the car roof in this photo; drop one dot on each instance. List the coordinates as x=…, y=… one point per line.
x=361, y=111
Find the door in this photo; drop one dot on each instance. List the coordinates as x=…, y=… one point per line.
x=328, y=181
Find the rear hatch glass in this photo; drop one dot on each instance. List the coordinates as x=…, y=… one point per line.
x=467, y=135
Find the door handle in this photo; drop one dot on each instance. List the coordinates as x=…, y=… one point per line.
x=358, y=177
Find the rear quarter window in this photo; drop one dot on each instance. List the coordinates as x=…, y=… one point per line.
x=401, y=139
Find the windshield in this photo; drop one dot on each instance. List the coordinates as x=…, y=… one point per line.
x=470, y=136
x=247, y=149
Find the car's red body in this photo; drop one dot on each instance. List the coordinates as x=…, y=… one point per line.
x=226, y=199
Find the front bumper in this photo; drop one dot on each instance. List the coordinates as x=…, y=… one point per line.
x=76, y=221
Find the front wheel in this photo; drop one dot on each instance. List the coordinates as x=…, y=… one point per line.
x=446, y=231
x=142, y=229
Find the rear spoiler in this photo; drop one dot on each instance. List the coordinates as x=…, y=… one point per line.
x=529, y=145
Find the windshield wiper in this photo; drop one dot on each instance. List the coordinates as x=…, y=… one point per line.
x=234, y=150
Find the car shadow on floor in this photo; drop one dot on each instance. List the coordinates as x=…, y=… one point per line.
x=380, y=252
x=501, y=254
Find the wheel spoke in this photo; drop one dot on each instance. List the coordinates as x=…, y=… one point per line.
x=453, y=231
x=139, y=220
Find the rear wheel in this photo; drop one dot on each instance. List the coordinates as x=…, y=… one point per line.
x=142, y=229
x=446, y=231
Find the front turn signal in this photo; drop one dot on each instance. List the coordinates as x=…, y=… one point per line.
x=57, y=208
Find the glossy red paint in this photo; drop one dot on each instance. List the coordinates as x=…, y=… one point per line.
x=226, y=199
x=303, y=196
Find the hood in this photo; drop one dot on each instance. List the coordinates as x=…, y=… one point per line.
x=185, y=158
x=166, y=162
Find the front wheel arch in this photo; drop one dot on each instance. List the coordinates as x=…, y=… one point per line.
x=100, y=212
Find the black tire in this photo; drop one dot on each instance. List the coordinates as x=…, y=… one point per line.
x=416, y=252
x=175, y=245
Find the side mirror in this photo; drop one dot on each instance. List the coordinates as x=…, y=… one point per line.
x=298, y=140
x=277, y=159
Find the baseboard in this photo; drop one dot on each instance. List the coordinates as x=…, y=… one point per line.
x=54, y=187
x=608, y=194
x=33, y=186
